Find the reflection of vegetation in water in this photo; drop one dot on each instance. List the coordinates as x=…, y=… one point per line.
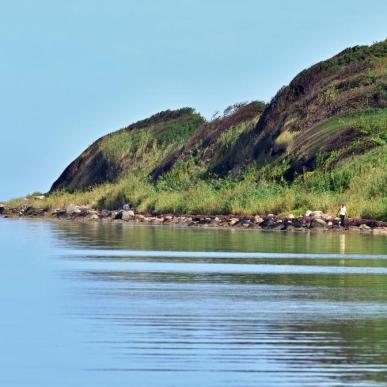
x=188, y=239
x=323, y=287
x=333, y=323
x=349, y=345
x=311, y=317
x=342, y=243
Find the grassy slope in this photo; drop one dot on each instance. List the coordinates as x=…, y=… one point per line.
x=358, y=180
x=351, y=81
x=137, y=149
x=205, y=149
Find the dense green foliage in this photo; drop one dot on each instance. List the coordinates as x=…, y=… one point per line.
x=359, y=181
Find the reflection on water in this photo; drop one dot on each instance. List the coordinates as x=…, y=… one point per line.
x=98, y=305
x=123, y=236
x=342, y=243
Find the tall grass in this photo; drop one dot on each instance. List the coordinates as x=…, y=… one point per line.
x=351, y=149
x=358, y=181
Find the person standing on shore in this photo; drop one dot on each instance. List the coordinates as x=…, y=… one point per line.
x=342, y=215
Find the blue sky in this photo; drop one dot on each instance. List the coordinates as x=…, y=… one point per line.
x=71, y=71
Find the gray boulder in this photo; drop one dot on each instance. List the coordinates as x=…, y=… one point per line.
x=296, y=223
x=105, y=213
x=205, y=221
x=257, y=219
x=318, y=223
x=233, y=221
x=127, y=215
x=244, y=223
x=73, y=209
x=116, y=215
x=269, y=223
x=317, y=214
x=58, y=212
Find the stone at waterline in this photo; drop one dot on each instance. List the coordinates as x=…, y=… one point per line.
x=244, y=223
x=73, y=209
x=296, y=223
x=140, y=218
x=205, y=221
x=257, y=219
x=233, y=221
x=285, y=224
x=105, y=213
x=116, y=215
x=30, y=211
x=269, y=223
x=318, y=223
x=58, y=212
x=127, y=215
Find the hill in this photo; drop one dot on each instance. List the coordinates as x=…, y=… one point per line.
x=335, y=106
x=138, y=148
x=322, y=140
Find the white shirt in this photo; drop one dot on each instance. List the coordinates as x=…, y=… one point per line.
x=343, y=211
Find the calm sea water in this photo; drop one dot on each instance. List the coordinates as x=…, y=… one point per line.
x=117, y=305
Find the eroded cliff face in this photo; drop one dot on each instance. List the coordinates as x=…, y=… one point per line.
x=207, y=146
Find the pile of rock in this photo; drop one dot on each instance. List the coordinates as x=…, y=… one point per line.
x=310, y=220
x=75, y=210
x=317, y=219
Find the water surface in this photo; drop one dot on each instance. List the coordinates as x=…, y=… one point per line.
x=104, y=305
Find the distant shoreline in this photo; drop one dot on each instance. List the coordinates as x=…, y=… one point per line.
x=316, y=221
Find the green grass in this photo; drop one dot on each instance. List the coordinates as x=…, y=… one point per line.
x=369, y=126
x=359, y=181
x=143, y=148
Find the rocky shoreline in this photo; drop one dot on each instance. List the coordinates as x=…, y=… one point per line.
x=312, y=220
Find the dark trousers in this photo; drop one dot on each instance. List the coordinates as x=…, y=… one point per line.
x=342, y=217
